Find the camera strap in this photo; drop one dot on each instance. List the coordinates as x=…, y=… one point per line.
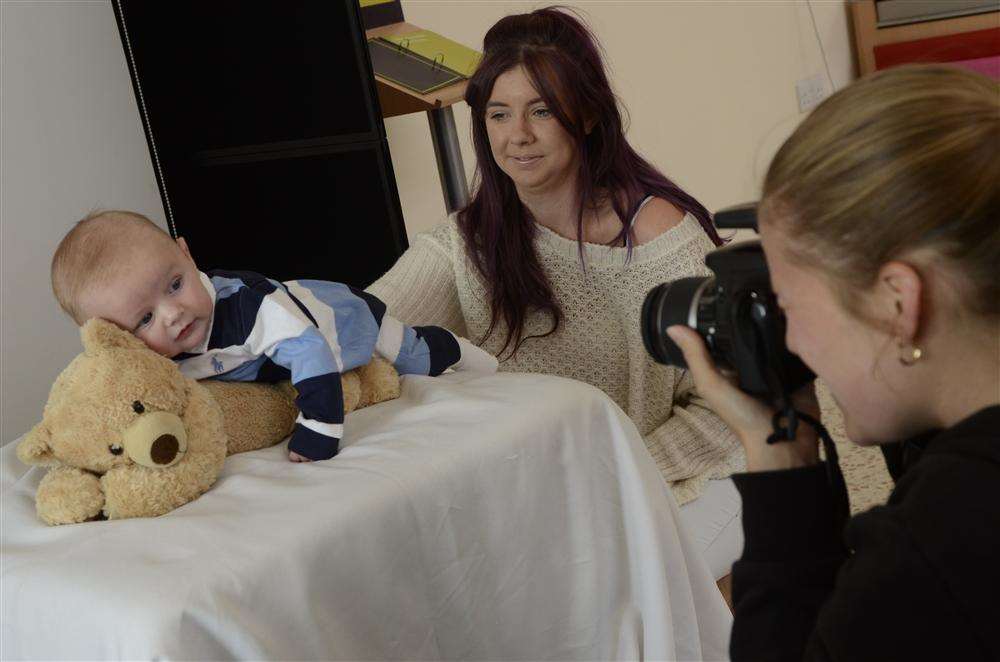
x=785, y=423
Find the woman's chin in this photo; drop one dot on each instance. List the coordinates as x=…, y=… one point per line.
x=855, y=432
x=869, y=435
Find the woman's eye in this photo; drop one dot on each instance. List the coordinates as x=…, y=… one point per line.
x=176, y=285
x=542, y=112
x=497, y=116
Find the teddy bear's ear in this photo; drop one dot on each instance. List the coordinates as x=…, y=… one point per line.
x=35, y=449
x=100, y=334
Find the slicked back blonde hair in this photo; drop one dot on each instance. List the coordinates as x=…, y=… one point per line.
x=903, y=160
x=91, y=250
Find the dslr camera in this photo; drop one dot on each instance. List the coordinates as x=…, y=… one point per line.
x=735, y=311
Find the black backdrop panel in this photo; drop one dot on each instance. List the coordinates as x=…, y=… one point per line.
x=225, y=74
x=266, y=136
x=320, y=223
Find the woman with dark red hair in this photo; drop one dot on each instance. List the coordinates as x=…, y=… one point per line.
x=568, y=229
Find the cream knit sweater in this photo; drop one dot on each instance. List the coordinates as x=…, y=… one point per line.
x=598, y=341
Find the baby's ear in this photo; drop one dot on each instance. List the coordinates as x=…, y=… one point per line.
x=98, y=334
x=184, y=248
x=34, y=449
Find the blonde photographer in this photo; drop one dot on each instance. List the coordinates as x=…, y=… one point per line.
x=880, y=221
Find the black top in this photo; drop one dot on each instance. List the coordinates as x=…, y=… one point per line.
x=915, y=579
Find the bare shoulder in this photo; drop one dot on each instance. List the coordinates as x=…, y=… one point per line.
x=655, y=218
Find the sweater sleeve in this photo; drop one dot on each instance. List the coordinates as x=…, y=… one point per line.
x=692, y=441
x=790, y=559
x=799, y=594
x=420, y=289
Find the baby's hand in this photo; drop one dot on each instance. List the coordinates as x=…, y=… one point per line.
x=295, y=457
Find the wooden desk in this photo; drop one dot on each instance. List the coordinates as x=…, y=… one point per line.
x=398, y=100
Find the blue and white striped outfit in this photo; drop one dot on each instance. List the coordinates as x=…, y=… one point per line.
x=312, y=331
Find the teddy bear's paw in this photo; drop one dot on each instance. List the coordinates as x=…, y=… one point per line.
x=67, y=495
x=135, y=491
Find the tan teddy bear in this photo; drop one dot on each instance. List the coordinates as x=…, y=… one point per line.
x=127, y=435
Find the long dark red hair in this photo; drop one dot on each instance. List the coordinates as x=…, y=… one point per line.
x=562, y=58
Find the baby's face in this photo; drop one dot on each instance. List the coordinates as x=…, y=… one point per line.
x=158, y=295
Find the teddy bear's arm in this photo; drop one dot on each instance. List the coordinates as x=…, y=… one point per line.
x=68, y=495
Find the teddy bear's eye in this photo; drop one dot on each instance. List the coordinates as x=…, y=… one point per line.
x=137, y=407
x=116, y=449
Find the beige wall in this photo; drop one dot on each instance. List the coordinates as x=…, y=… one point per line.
x=709, y=86
x=71, y=142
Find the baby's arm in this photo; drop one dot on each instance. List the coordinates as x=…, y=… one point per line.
x=283, y=333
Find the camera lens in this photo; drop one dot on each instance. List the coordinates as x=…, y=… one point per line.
x=676, y=302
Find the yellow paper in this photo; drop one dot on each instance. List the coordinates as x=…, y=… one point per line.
x=369, y=3
x=460, y=59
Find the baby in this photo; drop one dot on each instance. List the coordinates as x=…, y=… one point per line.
x=241, y=326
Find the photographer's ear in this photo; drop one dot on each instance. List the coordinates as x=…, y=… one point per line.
x=900, y=299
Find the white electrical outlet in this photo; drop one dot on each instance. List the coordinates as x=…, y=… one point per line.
x=811, y=91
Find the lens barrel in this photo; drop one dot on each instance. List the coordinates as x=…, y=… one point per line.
x=675, y=302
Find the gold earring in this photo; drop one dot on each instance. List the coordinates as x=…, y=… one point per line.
x=909, y=357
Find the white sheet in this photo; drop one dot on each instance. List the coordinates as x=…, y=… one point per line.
x=503, y=517
x=713, y=522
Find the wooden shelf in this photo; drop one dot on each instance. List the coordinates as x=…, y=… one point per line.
x=398, y=100
x=867, y=34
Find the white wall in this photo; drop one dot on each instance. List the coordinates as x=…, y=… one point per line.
x=71, y=142
x=709, y=86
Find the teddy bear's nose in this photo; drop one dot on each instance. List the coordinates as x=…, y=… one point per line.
x=164, y=449
x=155, y=440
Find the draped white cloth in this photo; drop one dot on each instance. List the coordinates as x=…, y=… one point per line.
x=501, y=517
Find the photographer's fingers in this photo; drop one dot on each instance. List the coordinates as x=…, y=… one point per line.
x=696, y=355
x=748, y=417
x=719, y=390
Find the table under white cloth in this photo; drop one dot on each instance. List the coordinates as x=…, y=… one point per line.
x=502, y=517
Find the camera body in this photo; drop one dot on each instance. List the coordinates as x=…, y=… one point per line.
x=736, y=313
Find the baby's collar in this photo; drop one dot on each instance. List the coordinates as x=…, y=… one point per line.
x=210, y=288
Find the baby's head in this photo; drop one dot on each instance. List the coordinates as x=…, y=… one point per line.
x=120, y=266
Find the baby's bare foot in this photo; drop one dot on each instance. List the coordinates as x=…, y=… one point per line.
x=295, y=457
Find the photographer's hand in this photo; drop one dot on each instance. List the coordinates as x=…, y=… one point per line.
x=748, y=417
